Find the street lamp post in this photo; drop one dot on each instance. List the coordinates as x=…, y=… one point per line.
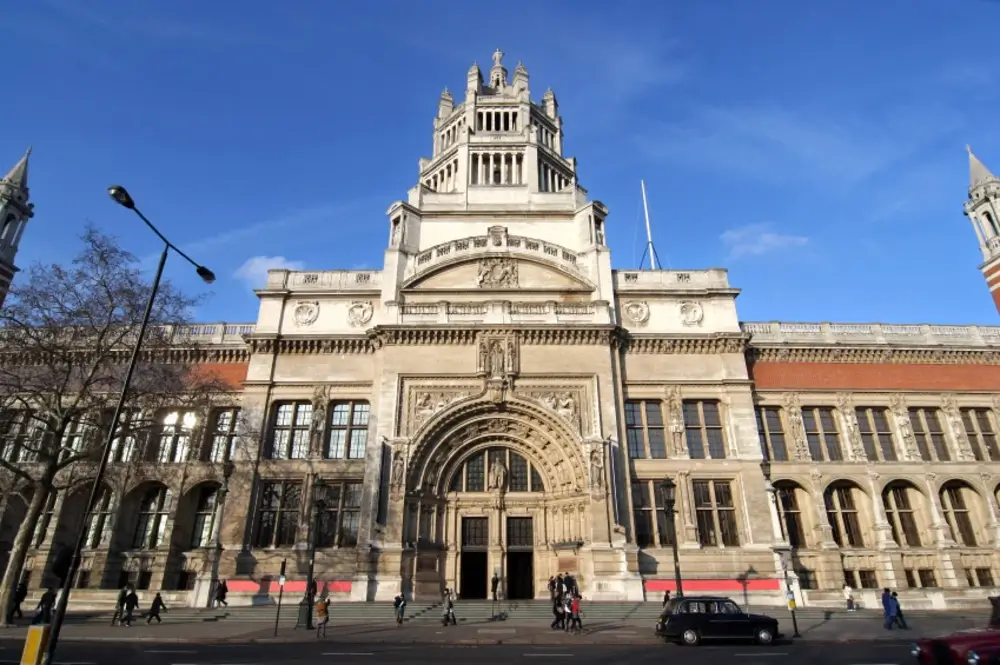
x=220, y=506
x=668, y=492
x=122, y=197
x=784, y=552
x=306, y=611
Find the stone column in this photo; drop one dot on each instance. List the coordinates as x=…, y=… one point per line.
x=883, y=530
x=826, y=540
x=687, y=534
x=989, y=495
x=939, y=526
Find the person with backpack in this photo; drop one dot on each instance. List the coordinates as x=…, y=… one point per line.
x=399, y=603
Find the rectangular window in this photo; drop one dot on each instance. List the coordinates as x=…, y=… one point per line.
x=223, y=442
x=980, y=577
x=520, y=533
x=290, y=431
x=899, y=512
x=927, y=578
x=338, y=526
x=642, y=508
x=716, y=513
x=956, y=513
x=348, y=436
x=771, y=433
x=790, y=515
x=125, y=445
x=644, y=429
x=175, y=436
x=475, y=533
x=929, y=434
x=822, y=434
x=278, y=518
x=982, y=436
x=876, y=434
x=703, y=429
x=842, y=513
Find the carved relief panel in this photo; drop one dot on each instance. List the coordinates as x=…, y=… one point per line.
x=571, y=402
x=955, y=425
x=901, y=417
x=423, y=398
x=796, y=427
x=852, y=430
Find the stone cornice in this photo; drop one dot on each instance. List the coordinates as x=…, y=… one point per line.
x=686, y=344
x=310, y=345
x=877, y=355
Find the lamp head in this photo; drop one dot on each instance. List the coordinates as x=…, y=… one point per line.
x=765, y=468
x=669, y=489
x=227, y=469
x=121, y=196
x=206, y=275
x=320, y=505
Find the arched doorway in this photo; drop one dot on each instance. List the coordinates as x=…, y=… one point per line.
x=495, y=491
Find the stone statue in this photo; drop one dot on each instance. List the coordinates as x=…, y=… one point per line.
x=498, y=476
x=398, y=469
x=318, y=422
x=497, y=57
x=597, y=468
x=496, y=368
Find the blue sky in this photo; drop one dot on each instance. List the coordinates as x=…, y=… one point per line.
x=814, y=149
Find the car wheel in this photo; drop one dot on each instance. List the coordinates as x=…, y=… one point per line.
x=690, y=637
x=764, y=636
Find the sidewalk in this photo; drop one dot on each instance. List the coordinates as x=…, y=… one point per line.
x=837, y=628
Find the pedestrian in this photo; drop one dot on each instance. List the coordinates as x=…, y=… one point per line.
x=888, y=609
x=900, y=619
x=559, y=585
x=567, y=602
x=848, y=597
x=322, y=616
x=448, y=603
x=557, y=612
x=494, y=585
x=119, y=606
x=43, y=613
x=666, y=598
x=552, y=588
x=131, y=602
x=399, y=603
x=576, y=622
x=19, y=596
x=154, y=610
x=570, y=584
x=220, y=594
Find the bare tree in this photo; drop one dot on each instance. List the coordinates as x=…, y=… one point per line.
x=65, y=337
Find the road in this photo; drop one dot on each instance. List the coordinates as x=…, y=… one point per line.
x=335, y=652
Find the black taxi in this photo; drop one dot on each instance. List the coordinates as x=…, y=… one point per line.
x=691, y=619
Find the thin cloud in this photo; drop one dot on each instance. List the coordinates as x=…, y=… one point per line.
x=777, y=144
x=758, y=240
x=254, y=270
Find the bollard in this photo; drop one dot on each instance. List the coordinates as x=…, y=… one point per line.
x=34, y=644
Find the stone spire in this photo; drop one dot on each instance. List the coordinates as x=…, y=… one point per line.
x=17, y=177
x=979, y=174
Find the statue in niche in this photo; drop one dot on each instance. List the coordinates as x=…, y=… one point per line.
x=597, y=468
x=498, y=476
x=319, y=404
x=511, y=355
x=398, y=469
x=491, y=357
x=394, y=237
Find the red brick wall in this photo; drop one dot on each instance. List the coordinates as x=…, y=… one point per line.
x=234, y=374
x=844, y=376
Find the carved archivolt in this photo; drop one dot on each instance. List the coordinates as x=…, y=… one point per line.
x=546, y=441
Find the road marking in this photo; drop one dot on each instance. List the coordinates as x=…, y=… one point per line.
x=549, y=655
x=348, y=653
x=169, y=651
x=497, y=630
x=757, y=653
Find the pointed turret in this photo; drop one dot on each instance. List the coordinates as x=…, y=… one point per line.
x=979, y=174
x=18, y=176
x=446, y=104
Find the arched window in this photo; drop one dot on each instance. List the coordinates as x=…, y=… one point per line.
x=9, y=224
x=204, y=517
x=842, y=512
x=154, y=511
x=472, y=475
x=899, y=511
x=100, y=519
x=790, y=515
x=991, y=223
x=955, y=505
x=175, y=436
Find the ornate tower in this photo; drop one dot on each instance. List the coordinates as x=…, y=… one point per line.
x=15, y=211
x=983, y=210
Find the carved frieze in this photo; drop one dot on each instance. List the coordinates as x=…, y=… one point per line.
x=429, y=402
x=305, y=312
x=692, y=313
x=636, y=311
x=497, y=273
x=360, y=312
x=564, y=403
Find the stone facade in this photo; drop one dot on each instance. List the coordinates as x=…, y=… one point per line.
x=15, y=211
x=497, y=399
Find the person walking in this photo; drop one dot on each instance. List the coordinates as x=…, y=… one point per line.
x=322, y=616
x=888, y=609
x=119, y=606
x=43, y=613
x=220, y=594
x=557, y=612
x=552, y=588
x=19, y=596
x=900, y=619
x=848, y=596
x=131, y=602
x=448, y=616
x=155, y=608
x=666, y=598
x=576, y=622
x=399, y=603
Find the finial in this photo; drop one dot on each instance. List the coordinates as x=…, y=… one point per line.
x=497, y=57
x=27, y=153
x=968, y=148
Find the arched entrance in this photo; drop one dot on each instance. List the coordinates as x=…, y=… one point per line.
x=492, y=490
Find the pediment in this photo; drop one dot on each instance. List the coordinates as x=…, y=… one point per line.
x=498, y=273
